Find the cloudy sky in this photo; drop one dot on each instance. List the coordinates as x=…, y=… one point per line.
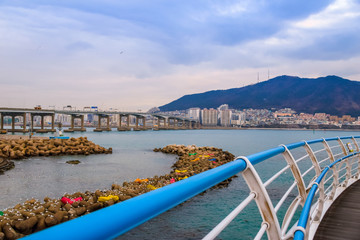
x=136, y=54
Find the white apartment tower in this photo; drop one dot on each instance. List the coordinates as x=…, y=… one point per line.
x=209, y=117
x=194, y=113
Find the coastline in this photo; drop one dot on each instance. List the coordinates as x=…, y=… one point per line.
x=17, y=137
x=280, y=128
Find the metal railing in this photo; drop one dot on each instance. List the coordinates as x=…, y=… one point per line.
x=115, y=220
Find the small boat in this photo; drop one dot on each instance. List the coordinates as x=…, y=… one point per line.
x=60, y=137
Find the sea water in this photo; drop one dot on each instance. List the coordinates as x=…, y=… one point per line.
x=133, y=158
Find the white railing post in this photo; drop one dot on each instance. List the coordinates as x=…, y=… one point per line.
x=348, y=166
x=358, y=156
x=296, y=173
x=334, y=169
x=299, y=184
x=262, y=200
x=316, y=165
x=313, y=159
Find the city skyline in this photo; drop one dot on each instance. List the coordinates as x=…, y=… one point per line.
x=134, y=55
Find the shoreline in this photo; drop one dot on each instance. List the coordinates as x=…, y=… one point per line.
x=274, y=128
x=17, y=137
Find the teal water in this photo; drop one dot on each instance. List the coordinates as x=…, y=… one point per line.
x=133, y=158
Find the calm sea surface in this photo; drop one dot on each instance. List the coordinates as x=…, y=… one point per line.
x=133, y=158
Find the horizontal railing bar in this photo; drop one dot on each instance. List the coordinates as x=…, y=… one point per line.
x=278, y=205
x=226, y=221
x=325, y=159
x=328, y=188
x=292, y=213
x=259, y=157
x=338, y=154
x=342, y=176
x=261, y=231
x=302, y=158
x=270, y=180
x=314, y=141
x=307, y=171
x=331, y=177
x=343, y=168
x=320, y=150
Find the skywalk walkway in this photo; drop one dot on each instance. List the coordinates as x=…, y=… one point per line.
x=342, y=220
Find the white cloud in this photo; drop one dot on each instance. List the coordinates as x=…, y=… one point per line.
x=335, y=15
x=135, y=54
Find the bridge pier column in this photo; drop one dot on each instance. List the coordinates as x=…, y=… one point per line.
x=72, y=122
x=2, y=130
x=42, y=122
x=120, y=118
x=13, y=123
x=53, y=123
x=2, y=122
x=82, y=122
x=98, y=129
x=136, y=122
x=120, y=127
x=24, y=122
x=108, y=122
x=32, y=123
x=176, y=123
x=144, y=123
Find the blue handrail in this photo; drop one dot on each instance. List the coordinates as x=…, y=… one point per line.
x=304, y=216
x=110, y=222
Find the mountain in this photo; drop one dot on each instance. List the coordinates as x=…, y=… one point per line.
x=332, y=94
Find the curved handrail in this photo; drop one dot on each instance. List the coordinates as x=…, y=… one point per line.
x=300, y=232
x=110, y=222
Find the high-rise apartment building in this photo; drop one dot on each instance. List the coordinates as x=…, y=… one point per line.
x=194, y=113
x=225, y=118
x=209, y=117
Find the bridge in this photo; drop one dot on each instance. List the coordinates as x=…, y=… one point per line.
x=163, y=121
x=322, y=174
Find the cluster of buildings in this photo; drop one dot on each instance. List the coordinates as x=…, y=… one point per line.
x=222, y=116
x=227, y=117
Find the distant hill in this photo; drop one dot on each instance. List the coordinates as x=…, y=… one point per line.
x=331, y=94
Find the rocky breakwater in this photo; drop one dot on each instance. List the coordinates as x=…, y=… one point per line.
x=33, y=215
x=23, y=148
x=5, y=165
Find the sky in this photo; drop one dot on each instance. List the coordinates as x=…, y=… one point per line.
x=133, y=55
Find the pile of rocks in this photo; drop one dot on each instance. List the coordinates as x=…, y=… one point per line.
x=21, y=148
x=5, y=165
x=33, y=215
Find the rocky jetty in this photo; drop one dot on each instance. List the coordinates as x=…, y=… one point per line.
x=33, y=215
x=5, y=165
x=23, y=148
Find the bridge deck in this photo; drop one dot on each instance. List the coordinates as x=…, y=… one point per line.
x=342, y=221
